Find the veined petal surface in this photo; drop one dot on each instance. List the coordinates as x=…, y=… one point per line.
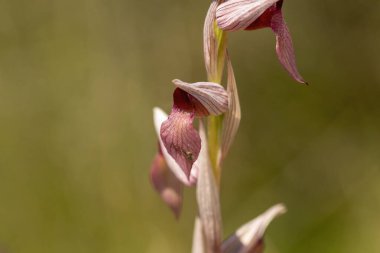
x=159, y=116
x=284, y=47
x=208, y=199
x=232, y=117
x=180, y=138
x=210, y=48
x=212, y=96
x=234, y=15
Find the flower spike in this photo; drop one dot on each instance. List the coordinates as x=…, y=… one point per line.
x=178, y=135
x=235, y=15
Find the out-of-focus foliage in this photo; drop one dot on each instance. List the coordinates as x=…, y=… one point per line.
x=78, y=80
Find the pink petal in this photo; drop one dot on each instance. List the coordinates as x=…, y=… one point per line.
x=212, y=96
x=178, y=135
x=166, y=184
x=198, y=238
x=159, y=116
x=284, y=47
x=234, y=15
x=232, y=117
x=210, y=44
x=208, y=199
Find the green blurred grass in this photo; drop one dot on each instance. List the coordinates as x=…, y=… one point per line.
x=78, y=80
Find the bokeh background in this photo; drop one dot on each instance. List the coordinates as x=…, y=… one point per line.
x=79, y=78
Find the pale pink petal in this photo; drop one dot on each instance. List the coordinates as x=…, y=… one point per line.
x=166, y=184
x=212, y=96
x=208, y=199
x=210, y=44
x=249, y=237
x=159, y=116
x=234, y=15
x=284, y=46
x=198, y=240
x=232, y=117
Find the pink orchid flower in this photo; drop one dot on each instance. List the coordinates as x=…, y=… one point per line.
x=234, y=15
x=178, y=135
x=182, y=150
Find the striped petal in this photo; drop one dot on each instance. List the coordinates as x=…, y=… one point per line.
x=166, y=184
x=284, y=47
x=249, y=237
x=210, y=44
x=208, y=200
x=159, y=116
x=178, y=135
x=234, y=15
x=233, y=115
x=212, y=96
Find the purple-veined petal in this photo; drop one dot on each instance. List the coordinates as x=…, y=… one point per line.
x=198, y=237
x=249, y=237
x=234, y=15
x=212, y=96
x=159, y=116
x=181, y=140
x=233, y=115
x=208, y=199
x=284, y=46
x=166, y=184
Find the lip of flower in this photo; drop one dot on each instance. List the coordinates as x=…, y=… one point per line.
x=235, y=15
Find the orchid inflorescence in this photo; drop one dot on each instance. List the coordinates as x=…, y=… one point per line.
x=191, y=156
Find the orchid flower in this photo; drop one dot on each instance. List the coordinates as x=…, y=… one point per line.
x=187, y=156
x=179, y=143
x=234, y=15
x=177, y=133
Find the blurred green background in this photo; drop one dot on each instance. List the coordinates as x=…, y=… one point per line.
x=79, y=78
